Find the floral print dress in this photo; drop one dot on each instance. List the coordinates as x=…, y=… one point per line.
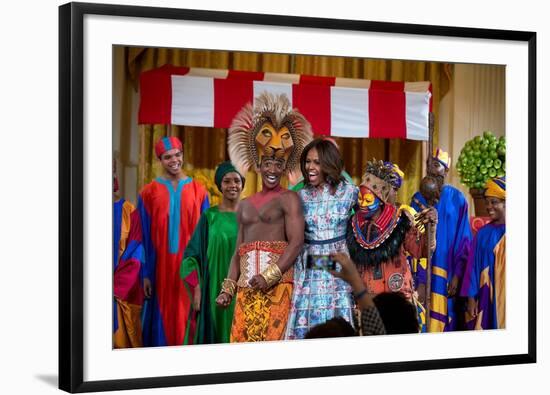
x=318, y=296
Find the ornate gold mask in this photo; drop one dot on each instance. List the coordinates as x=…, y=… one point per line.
x=274, y=143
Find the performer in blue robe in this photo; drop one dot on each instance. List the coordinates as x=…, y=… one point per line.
x=453, y=244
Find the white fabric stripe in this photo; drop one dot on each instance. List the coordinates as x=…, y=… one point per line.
x=419, y=86
x=212, y=73
x=275, y=88
x=349, y=112
x=352, y=83
x=417, y=108
x=282, y=77
x=192, y=101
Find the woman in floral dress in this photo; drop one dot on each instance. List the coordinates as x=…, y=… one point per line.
x=327, y=200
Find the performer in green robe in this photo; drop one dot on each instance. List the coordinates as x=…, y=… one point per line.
x=209, y=254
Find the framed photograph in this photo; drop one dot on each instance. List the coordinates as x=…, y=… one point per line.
x=120, y=68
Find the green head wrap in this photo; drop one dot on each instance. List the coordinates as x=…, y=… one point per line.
x=222, y=170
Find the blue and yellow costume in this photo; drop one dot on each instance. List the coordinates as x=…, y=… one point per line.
x=454, y=238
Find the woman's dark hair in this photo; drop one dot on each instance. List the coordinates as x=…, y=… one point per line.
x=399, y=315
x=335, y=327
x=330, y=159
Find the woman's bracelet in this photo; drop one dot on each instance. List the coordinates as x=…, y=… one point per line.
x=359, y=294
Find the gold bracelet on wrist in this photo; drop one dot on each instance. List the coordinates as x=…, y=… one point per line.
x=272, y=275
x=229, y=287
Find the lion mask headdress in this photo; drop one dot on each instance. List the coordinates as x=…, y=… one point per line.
x=269, y=129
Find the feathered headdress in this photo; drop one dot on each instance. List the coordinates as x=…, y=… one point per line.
x=379, y=178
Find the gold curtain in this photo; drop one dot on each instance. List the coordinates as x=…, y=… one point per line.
x=205, y=147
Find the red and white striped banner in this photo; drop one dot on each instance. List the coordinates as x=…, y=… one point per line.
x=341, y=107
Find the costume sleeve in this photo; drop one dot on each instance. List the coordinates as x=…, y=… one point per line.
x=205, y=205
x=127, y=210
x=470, y=283
x=419, y=269
x=417, y=197
x=126, y=282
x=148, y=268
x=463, y=239
x=195, y=255
x=298, y=187
x=416, y=242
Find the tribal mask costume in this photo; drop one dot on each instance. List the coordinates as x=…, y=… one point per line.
x=269, y=129
x=374, y=242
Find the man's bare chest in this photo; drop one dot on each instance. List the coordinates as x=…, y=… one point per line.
x=270, y=213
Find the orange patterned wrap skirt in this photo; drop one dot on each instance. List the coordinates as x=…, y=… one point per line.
x=259, y=315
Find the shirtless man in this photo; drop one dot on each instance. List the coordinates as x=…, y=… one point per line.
x=271, y=222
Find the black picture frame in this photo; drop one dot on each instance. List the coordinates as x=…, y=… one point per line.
x=71, y=195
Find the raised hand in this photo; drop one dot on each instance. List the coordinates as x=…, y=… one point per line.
x=427, y=215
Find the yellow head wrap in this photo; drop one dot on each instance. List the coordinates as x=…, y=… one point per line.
x=496, y=187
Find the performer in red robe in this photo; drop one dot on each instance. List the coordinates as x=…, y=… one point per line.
x=170, y=207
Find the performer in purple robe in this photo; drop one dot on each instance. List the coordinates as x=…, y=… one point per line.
x=484, y=280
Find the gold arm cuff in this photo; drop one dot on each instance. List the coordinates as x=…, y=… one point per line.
x=272, y=275
x=229, y=286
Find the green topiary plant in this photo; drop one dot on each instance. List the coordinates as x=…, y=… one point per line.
x=481, y=158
